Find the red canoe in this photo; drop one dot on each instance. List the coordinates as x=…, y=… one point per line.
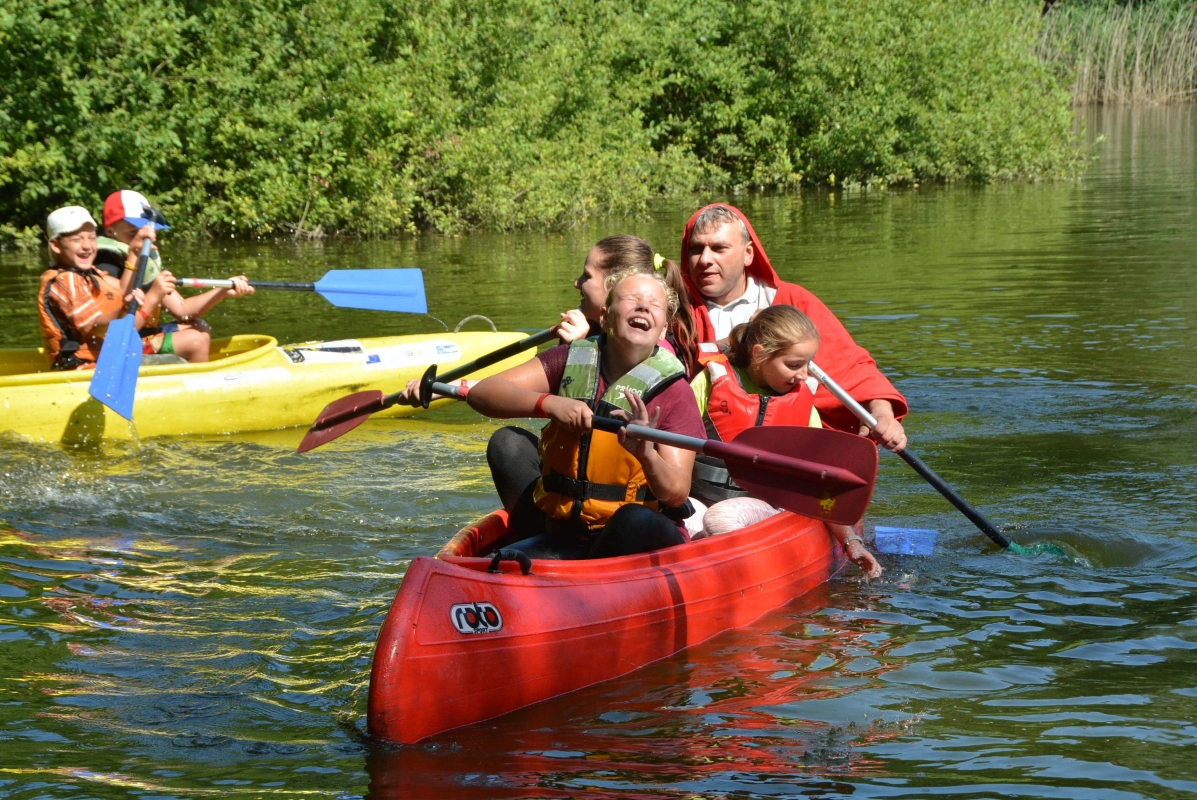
x=461, y=645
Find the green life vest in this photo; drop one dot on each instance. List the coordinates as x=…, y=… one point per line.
x=112, y=255
x=580, y=379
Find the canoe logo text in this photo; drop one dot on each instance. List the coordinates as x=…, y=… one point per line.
x=476, y=618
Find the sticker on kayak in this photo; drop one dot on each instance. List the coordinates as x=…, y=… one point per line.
x=220, y=381
x=419, y=354
x=476, y=618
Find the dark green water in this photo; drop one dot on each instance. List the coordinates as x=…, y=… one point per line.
x=191, y=618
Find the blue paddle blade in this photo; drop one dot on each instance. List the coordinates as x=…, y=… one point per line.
x=375, y=289
x=905, y=541
x=115, y=380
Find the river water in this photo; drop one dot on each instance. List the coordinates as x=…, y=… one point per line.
x=195, y=617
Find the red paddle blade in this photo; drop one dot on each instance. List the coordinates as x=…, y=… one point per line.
x=827, y=500
x=340, y=417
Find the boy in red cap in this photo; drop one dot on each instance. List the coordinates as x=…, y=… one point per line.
x=129, y=220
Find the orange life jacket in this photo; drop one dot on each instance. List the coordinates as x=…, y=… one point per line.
x=730, y=411
x=588, y=477
x=66, y=347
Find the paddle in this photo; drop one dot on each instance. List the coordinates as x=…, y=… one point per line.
x=399, y=290
x=833, y=481
x=341, y=416
x=114, y=382
x=929, y=475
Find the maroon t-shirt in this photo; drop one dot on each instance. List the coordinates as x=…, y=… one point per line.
x=679, y=409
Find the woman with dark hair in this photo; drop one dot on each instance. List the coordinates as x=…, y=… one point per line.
x=621, y=253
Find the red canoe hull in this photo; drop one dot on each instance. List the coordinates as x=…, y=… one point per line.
x=570, y=624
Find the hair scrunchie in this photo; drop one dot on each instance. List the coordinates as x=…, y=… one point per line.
x=658, y=262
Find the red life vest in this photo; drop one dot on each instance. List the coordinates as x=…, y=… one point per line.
x=730, y=411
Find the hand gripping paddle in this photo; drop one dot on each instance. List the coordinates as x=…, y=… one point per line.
x=341, y=416
x=400, y=290
x=818, y=473
x=974, y=516
x=114, y=382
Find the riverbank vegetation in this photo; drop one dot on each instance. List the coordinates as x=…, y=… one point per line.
x=1123, y=52
x=375, y=117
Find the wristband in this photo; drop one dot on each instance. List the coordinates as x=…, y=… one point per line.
x=853, y=538
x=144, y=315
x=540, y=404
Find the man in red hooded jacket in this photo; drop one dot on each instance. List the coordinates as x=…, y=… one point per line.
x=730, y=279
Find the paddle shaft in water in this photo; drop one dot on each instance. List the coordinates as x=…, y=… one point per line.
x=727, y=451
x=915, y=462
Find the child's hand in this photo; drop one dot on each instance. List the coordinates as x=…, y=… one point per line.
x=164, y=284
x=859, y=555
x=410, y=396
x=640, y=448
x=137, y=295
x=143, y=233
x=240, y=287
x=573, y=415
x=573, y=326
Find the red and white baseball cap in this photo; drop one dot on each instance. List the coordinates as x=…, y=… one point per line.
x=133, y=208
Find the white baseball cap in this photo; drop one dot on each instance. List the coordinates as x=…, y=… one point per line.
x=68, y=219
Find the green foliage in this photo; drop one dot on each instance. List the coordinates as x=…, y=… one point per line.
x=252, y=117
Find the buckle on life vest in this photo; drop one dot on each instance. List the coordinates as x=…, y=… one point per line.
x=587, y=490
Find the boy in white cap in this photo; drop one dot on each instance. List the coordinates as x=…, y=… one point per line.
x=76, y=301
x=129, y=220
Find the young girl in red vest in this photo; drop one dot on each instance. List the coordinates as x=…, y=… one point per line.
x=761, y=380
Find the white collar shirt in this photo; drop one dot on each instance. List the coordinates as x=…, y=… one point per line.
x=756, y=296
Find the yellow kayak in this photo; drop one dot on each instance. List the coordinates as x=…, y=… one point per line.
x=251, y=384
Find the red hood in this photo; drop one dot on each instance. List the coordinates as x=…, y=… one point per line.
x=760, y=268
x=843, y=359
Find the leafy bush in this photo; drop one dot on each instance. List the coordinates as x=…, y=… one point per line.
x=252, y=117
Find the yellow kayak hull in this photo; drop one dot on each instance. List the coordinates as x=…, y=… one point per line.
x=251, y=384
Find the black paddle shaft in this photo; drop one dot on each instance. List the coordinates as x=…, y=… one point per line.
x=143, y=260
x=364, y=408
x=515, y=348
x=952, y=497
x=285, y=285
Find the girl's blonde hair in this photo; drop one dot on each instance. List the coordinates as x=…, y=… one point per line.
x=623, y=252
x=776, y=329
x=671, y=298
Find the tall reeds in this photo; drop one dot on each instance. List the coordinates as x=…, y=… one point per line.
x=1124, y=53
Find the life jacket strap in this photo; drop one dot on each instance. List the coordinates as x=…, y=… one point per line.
x=66, y=359
x=588, y=490
x=719, y=476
